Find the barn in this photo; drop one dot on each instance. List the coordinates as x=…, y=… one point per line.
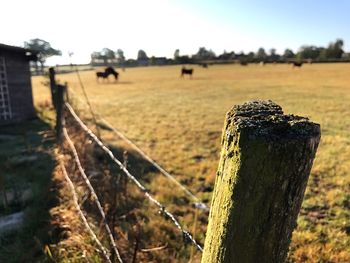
x=16, y=100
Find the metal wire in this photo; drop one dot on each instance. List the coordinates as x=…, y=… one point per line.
x=161, y=207
x=94, y=195
x=104, y=250
x=198, y=203
x=87, y=99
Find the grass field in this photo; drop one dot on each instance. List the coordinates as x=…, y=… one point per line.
x=178, y=122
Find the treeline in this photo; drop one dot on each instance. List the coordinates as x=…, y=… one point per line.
x=334, y=52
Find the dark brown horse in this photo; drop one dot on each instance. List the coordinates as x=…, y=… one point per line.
x=108, y=71
x=188, y=71
x=297, y=64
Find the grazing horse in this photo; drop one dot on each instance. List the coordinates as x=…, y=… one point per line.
x=185, y=71
x=297, y=64
x=108, y=71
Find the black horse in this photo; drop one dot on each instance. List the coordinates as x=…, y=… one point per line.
x=108, y=71
x=297, y=64
x=185, y=71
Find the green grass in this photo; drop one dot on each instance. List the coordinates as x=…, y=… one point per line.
x=179, y=121
x=32, y=138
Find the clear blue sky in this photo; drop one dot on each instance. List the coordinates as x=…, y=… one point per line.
x=280, y=24
x=161, y=26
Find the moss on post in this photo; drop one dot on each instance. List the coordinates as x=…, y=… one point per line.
x=265, y=163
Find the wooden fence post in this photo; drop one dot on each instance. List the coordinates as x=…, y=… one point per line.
x=265, y=162
x=53, y=87
x=61, y=90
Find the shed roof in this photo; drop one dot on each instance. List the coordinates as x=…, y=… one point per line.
x=31, y=54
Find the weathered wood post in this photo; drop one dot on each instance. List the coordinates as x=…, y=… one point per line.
x=61, y=90
x=53, y=86
x=265, y=163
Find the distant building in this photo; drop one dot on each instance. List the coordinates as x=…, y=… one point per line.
x=16, y=100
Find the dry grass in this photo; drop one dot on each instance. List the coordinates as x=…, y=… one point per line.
x=179, y=121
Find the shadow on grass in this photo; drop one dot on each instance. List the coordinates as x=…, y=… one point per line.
x=26, y=166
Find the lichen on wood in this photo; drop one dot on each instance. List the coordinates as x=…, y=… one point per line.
x=265, y=163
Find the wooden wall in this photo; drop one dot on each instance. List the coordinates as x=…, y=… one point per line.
x=19, y=84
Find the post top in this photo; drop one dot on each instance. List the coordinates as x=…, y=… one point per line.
x=266, y=119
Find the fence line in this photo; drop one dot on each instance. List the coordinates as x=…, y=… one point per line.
x=87, y=99
x=104, y=250
x=161, y=207
x=198, y=203
x=95, y=197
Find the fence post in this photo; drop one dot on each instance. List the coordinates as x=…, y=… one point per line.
x=53, y=88
x=61, y=90
x=265, y=162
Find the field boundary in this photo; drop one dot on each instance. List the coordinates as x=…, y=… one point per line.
x=162, y=209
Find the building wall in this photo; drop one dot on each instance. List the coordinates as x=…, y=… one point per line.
x=19, y=85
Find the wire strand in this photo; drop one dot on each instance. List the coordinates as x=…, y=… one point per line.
x=95, y=197
x=104, y=250
x=198, y=203
x=161, y=207
x=87, y=100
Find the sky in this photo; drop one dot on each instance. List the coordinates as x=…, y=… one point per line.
x=159, y=27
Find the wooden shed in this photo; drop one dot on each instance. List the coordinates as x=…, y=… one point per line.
x=16, y=100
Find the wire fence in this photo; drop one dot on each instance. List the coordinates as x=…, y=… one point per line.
x=104, y=250
x=145, y=191
x=93, y=193
x=197, y=202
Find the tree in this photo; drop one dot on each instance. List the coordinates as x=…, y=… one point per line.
x=250, y=57
x=335, y=50
x=227, y=55
x=204, y=54
x=153, y=60
x=184, y=60
x=308, y=52
x=273, y=56
x=108, y=53
x=44, y=50
x=272, y=52
x=261, y=54
x=141, y=55
x=120, y=56
x=288, y=54
x=176, y=54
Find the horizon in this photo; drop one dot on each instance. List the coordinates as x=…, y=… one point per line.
x=187, y=26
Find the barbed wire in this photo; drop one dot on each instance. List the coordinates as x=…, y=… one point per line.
x=93, y=193
x=198, y=203
x=161, y=207
x=87, y=99
x=104, y=250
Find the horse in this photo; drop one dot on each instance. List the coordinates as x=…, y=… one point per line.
x=186, y=71
x=108, y=71
x=297, y=64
